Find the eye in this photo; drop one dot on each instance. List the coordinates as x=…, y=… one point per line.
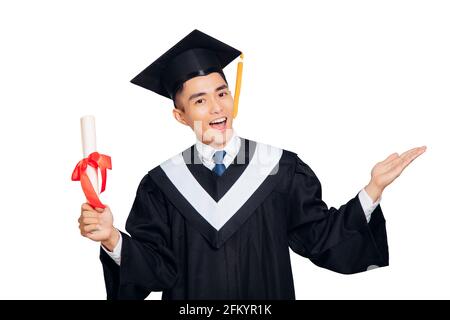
x=222, y=94
x=199, y=101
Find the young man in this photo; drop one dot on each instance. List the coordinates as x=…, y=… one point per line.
x=217, y=220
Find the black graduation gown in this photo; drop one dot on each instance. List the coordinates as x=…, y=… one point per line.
x=175, y=249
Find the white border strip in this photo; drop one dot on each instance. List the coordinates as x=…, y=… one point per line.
x=217, y=214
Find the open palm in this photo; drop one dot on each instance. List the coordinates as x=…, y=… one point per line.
x=385, y=172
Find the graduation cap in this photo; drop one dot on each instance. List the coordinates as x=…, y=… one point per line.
x=197, y=54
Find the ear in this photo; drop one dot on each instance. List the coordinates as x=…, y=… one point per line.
x=179, y=116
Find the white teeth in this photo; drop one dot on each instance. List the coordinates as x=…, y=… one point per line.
x=218, y=120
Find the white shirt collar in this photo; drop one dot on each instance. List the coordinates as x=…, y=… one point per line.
x=206, y=152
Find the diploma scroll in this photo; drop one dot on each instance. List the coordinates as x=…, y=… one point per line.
x=86, y=171
x=89, y=143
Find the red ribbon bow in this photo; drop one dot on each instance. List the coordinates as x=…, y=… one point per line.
x=96, y=161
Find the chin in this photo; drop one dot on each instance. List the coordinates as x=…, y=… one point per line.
x=216, y=136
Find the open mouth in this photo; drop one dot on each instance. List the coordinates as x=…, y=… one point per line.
x=219, y=124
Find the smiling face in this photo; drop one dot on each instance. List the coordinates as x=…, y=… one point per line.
x=205, y=104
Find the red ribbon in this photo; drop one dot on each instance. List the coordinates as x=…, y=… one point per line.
x=96, y=161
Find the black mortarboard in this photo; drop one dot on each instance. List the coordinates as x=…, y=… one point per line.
x=195, y=55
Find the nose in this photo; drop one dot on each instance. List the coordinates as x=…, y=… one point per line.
x=216, y=107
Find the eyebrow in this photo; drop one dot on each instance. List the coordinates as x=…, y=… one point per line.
x=199, y=94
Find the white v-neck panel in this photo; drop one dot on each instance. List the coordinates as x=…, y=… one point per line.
x=218, y=213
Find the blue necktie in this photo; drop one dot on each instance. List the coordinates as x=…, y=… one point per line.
x=219, y=168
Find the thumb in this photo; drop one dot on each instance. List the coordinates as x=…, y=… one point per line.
x=391, y=157
x=99, y=210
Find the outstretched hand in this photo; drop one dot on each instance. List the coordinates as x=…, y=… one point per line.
x=386, y=171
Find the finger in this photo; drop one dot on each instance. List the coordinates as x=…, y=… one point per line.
x=396, y=161
x=86, y=207
x=99, y=210
x=81, y=220
x=411, y=154
x=91, y=228
x=401, y=161
x=89, y=214
x=87, y=221
x=81, y=227
x=397, y=166
x=411, y=157
x=411, y=151
x=91, y=235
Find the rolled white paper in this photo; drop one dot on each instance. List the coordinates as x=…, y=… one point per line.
x=88, y=140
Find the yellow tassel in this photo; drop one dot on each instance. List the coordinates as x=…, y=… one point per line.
x=237, y=91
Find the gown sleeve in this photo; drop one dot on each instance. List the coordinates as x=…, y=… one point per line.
x=147, y=263
x=340, y=240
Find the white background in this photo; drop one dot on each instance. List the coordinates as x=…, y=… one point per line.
x=342, y=83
